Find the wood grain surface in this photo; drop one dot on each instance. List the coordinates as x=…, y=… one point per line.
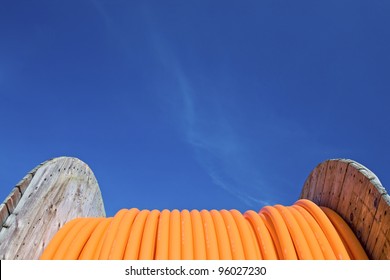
x=53, y=193
x=356, y=194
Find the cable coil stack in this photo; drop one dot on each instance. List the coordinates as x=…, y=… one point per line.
x=301, y=231
x=57, y=212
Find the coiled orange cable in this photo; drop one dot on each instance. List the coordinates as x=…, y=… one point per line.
x=74, y=249
x=162, y=242
x=300, y=243
x=348, y=237
x=283, y=237
x=198, y=236
x=69, y=238
x=149, y=236
x=112, y=232
x=330, y=232
x=89, y=251
x=210, y=236
x=301, y=231
x=249, y=244
x=224, y=250
x=135, y=237
x=311, y=239
x=51, y=248
x=264, y=239
x=119, y=245
x=187, y=244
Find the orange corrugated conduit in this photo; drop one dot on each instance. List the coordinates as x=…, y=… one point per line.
x=111, y=235
x=349, y=239
x=78, y=243
x=264, y=239
x=224, y=250
x=90, y=249
x=329, y=230
x=134, y=242
x=301, y=231
x=149, y=236
x=187, y=252
x=119, y=245
x=174, y=246
x=234, y=236
x=52, y=247
x=311, y=238
x=280, y=234
x=162, y=236
x=249, y=244
x=210, y=234
x=66, y=243
x=198, y=236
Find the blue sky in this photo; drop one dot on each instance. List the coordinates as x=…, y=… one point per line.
x=194, y=104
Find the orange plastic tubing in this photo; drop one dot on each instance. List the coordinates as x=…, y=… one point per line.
x=300, y=243
x=225, y=252
x=249, y=243
x=271, y=229
x=111, y=234
x=77, y=245
x=331, y=233
x=308, y=233
x=149, y=236
x=198, y=235
x=90, y=248
x=174, y=252
x=281, y=230
x=234, y=236
x=135, y=237
x=346, y=235
x=67, y=241
x=119, y=244
x=163, y=236
x=264, y=239
x=187, y=244
x=52, y=247
x=322, y=240
x=210, y=236
x=301, y=231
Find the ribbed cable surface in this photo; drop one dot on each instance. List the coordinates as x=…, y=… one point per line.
x=301, y=231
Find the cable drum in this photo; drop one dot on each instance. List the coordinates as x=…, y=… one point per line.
x=303, y=231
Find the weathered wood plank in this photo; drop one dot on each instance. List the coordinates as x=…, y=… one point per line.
x=314, y=183
x=59, y=190
x=309, y=185
x=378, y=243
x=368, y=201
x=4, y=214
x=320, y=182
x=12, y=199
x=23, y=184
x=334, y=179
x=349, y=206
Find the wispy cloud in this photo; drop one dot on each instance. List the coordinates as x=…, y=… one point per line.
x=231, y=158
x=216, y=142
x=218, y=146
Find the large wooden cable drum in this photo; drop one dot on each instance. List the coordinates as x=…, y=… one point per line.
x=50, y=195
x=57, y=212
x=357, y=195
